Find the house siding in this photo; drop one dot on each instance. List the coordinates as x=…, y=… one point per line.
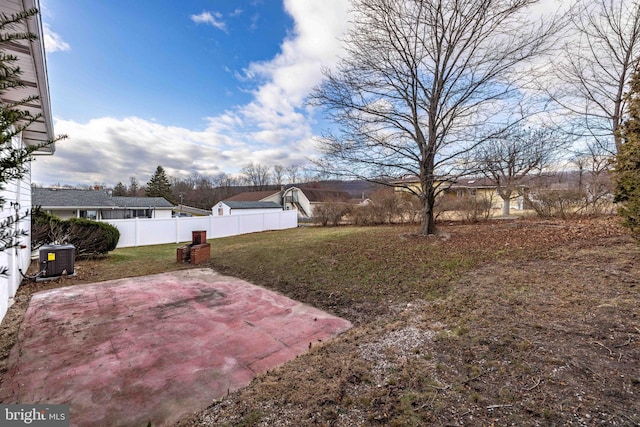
x=18, y=200
x=302, y=201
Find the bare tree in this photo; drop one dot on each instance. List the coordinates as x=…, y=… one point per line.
x=134, y=187
x=419, y=81
x=594, y=164
x=509, y=158
x=257, y=175
x=293, y=173
x=196, y=191
x=224, y=187
x=597, y=66
x=278, y=174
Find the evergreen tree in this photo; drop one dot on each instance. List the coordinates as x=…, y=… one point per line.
x=159, y=186
x=119, y=190
x=627, y=171
x=14, y=118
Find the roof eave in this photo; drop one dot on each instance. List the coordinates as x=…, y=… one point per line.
x=34, y=25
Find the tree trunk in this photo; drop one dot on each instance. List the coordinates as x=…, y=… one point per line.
x=506, y=202
x=427, y=220
x=506, y=206
x=427, y=217
x=427, y=175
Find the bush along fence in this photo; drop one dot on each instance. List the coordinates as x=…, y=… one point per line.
x=148, y=231
x=89, y=238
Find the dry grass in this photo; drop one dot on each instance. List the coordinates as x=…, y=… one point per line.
x=523, y=322
x=504, y=323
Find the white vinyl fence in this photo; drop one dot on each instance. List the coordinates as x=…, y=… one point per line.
x=148, y=231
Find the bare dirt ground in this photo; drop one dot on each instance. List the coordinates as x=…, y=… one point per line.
x=544, y=329
x=550, y=336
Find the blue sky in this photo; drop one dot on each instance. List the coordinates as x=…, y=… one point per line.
x=195, y=86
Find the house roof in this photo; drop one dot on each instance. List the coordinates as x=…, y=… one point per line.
x=191, y=210
x=314, y=195
x=470, y=182
x=317, y=195
x=251, y=205
x=32, y=62
x=68, y=198
x=49, y=198
x=251, y=196
x=478, y=182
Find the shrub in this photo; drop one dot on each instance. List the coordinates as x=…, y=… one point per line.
x=469, y=208
x=90, y=238
x=330, y=213
x=46, y=229
x=387, y=206
x=551, y=203
x=366, y=215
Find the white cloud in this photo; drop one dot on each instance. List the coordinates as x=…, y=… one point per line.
x=108, y=150
x=314, y=43
x=53, y=42
x=290, y=77
x=214, y=19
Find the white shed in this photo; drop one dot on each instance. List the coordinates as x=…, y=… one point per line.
x=229, y=207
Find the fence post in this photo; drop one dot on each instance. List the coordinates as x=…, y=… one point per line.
x=136, y=227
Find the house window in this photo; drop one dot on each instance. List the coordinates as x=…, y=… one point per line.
x=89, y=214
x=220, y=211
x=142, y=213
x=139, y=213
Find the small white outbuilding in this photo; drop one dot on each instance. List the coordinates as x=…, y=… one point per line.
x=228, y=207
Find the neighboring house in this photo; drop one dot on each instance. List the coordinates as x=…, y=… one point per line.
x=257, y=196
x=68, y=203
x=139, y=207
x=303, y=200
x=480, y=188
x=483, y=189
x=31, y=60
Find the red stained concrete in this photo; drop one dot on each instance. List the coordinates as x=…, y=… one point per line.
x=154, y=348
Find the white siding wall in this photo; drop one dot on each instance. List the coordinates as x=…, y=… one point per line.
x=18, y=200
x=276, y=197
x=302, y=201
x=221, y=209
x=254, y=211
x=162, y=214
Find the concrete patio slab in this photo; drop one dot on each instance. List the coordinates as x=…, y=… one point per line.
x=154, y=348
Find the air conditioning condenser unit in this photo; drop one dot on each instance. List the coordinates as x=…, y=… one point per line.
x=56, y=260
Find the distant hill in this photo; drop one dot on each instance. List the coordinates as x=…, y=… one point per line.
x=356, y=189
